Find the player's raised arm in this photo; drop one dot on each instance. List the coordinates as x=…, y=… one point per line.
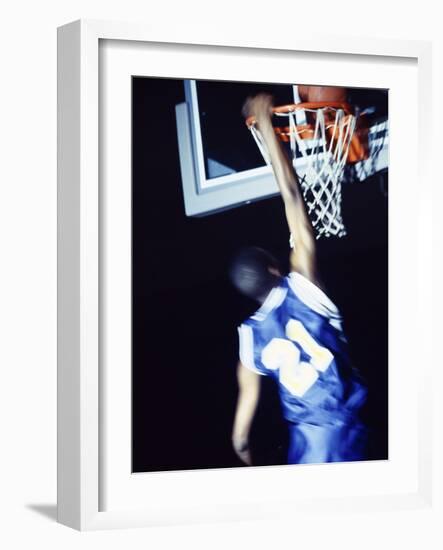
x=248, y=394
x=303, y=256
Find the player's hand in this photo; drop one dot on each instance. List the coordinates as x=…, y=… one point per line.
x=241, y=448
x=259, y=107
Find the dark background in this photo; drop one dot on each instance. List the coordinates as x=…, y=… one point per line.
x=185, y=313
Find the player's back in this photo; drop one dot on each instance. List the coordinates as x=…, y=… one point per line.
x=297, y=337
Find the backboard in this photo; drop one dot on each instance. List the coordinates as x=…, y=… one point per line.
x=221, y=166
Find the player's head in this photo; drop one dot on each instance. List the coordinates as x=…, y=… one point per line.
x=254, y=272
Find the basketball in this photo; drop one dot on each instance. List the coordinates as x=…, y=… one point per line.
x=311, y=94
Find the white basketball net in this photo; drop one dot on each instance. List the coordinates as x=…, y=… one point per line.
x=321, y=161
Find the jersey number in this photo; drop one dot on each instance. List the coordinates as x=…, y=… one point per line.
x=283, y=355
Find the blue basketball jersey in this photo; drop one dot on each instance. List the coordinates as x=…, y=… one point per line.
x=297, y=338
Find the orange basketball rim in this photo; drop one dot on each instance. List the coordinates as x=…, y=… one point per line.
x=358, y=146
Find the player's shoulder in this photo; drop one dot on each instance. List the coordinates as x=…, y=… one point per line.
x=273, y=301
x=312, y=295
x=260, y=327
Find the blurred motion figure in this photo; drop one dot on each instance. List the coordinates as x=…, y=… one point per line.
x=296, y=335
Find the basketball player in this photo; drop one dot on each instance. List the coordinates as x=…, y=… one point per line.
x=295, y=336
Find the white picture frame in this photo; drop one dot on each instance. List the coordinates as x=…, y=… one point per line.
x=81, y=296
